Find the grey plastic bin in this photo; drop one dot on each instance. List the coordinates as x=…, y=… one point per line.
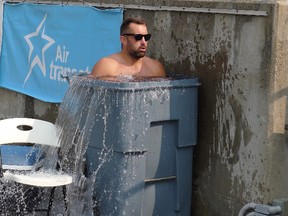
x=141, y=145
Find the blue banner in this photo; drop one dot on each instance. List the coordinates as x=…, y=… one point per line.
x=43, y=43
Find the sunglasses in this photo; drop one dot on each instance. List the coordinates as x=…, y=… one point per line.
x=139, y=37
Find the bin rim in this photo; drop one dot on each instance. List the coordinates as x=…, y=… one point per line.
x=175, y=81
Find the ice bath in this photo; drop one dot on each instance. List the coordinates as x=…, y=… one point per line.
x=129, y=144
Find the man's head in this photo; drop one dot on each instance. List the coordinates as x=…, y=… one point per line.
x=125, y=25
x=134, y=37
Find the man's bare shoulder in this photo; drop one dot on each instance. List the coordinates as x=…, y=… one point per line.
x=155, y=67
x=105, y=66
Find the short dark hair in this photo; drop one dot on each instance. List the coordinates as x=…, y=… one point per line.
x=127, y=22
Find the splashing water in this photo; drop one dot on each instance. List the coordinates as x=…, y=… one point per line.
x=85, y=120
x=104, y=130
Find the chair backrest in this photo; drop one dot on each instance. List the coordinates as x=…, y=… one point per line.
x=27, y=130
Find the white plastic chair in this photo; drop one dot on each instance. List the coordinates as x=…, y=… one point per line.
x=33, y=131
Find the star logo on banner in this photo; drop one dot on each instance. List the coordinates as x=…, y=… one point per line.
x=34, y=59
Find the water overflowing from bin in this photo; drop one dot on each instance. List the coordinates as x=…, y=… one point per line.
x=19, y=199
x=116, y=141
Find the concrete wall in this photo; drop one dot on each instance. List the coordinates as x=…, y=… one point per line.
x=13, y=104
x=242, y=62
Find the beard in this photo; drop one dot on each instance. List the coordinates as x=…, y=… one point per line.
x=137, y=54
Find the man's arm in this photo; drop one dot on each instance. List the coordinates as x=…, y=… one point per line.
x=161, y=72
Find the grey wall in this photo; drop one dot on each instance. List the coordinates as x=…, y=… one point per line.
x=242, y=62
x=13, y=104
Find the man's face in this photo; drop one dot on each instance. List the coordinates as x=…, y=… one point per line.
x=136, y=48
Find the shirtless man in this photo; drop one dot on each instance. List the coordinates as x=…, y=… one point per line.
x=131, y=60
